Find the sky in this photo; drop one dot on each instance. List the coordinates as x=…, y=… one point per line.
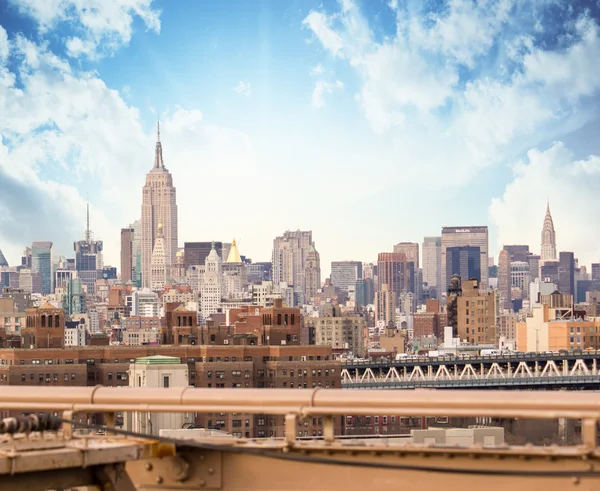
x=369, y=122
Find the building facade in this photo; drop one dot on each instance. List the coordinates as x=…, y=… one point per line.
x=159, y=205
x=432, y=263
x=345, y=274
x=548, y=238
x=468, y=253
x=41, y=263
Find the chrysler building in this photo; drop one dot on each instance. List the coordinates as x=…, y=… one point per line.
x=548, y=239
x=159, y=206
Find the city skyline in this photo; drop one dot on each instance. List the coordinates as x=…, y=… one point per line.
x=511, y=122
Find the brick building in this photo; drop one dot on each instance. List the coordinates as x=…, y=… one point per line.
x=284, y=367
x=476, y=314
x=44, y=327
x=275, y=326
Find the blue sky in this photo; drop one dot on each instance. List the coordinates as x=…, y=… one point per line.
x=369, y=122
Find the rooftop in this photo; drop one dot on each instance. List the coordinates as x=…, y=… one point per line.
x=158, y=360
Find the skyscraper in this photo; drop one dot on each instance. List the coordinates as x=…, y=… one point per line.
x=289, y=259
x=88, y=257
x=396, y=272
x=548, y=238
x=432, y=263
x=3, y=261
x=566, y=273
x=312, y=273
x=126, y=254
x=212, y=285
x=504, y=279
x=473, y=259
x=344, y=274
x=41, y=263
x=411, y=249
x=159, y=205
x=159, y=270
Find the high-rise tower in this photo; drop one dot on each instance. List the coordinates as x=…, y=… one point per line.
x=159, y=270
x=548, y=238
x=88, y=257
x=159, y=205
x=312, y=273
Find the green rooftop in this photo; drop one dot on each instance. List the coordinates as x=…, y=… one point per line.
x=159, y=360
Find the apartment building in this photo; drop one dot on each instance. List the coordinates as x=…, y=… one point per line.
x=284, y=367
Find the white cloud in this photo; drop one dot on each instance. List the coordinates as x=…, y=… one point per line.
x=317, y=70
x=572, y=187
x=64, y=133
x=322, y=88
x=243, y=88
x=413, y=80
x=320, y=24
x=105, y=25
x=465, y=31
x=4, y=48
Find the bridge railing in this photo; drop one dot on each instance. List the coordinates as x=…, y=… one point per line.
x=297, y=404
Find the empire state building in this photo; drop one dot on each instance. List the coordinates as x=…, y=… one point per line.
x=159, y=206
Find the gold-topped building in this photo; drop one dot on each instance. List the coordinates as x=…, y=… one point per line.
x=234, y=254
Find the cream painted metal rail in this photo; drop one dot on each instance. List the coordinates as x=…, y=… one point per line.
x=304, y=402
x=132, y=463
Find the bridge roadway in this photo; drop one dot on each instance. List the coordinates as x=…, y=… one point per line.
x=557, y=370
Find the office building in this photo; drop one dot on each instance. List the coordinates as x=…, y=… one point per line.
x=41, y=264
x=395, y=271
x=195, y=253
x=410, y=249
x=476, y=314
x=312, y=274
x=566, y=273
x=468, y=255
x=548, y=239
x=504, y=279
x=88, y=258
x=212, y=285
x=432, y=263
x=289, y=260
x=344, y=274
x=159, y=205
x=127, y=263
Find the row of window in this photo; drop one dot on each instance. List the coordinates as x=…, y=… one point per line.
x=350, y=420
x=46, y=377
x=210, y=359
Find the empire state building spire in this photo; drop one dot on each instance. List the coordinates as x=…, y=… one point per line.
x=548, y=238
x=158, y=156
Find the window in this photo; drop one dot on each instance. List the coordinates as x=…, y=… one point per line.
x=166, y=381
x=261, y=421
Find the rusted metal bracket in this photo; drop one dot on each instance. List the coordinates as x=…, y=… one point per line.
x=198, y=469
